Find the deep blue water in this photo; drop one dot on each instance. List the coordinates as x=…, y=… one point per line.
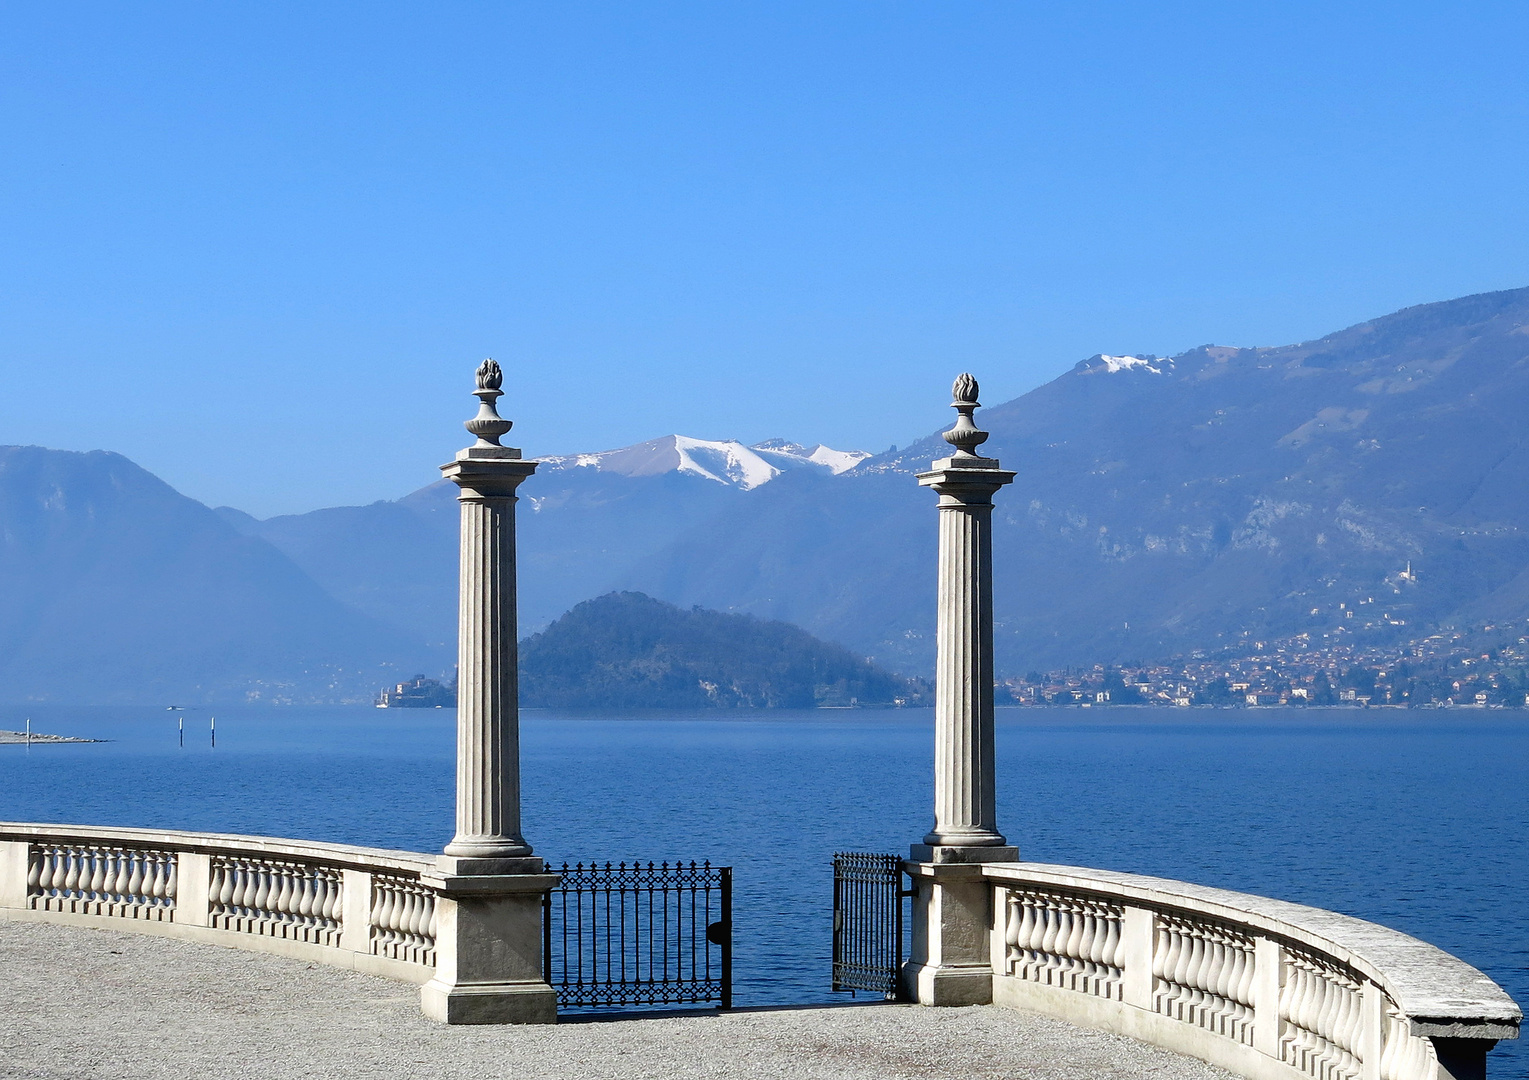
x=1416, y=820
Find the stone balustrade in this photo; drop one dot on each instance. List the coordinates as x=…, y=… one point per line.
x=1264, y=988
x=353, y=907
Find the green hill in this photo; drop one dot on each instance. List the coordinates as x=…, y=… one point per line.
x=627, y=650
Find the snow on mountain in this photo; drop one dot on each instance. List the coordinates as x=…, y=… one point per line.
x=1104, y=364
x=791, y=455
x=726, y=461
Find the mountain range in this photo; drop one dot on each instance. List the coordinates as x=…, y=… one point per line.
x=1161, y=504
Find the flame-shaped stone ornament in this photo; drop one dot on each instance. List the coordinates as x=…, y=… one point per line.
x=488, y=425
x=965, y=436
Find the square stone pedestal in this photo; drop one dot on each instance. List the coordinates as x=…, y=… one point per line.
x=488, y=947
x=951, y=962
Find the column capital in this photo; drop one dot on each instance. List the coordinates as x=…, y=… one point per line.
x=967, y=479
x=489, y=474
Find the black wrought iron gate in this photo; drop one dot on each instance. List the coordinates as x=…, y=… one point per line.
x=644, y=934
x=868, y=922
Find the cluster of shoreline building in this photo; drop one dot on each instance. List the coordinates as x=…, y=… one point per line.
x=1485, y=667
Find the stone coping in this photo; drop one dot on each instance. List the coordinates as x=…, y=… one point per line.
x=342, y=855
x=1442, y=995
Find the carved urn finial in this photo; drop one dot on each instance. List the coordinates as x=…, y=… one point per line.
x=965, y=436
x=488, y=425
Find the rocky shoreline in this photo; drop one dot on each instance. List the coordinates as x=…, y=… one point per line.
x=39, y=737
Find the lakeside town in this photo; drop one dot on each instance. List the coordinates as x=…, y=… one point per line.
x=1472, y=667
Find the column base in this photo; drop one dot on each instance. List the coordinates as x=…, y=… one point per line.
x=488, y=950
x=477, y=866
x=954, y=853
x=489, y=1003
x=948, y=985
x=952, y=924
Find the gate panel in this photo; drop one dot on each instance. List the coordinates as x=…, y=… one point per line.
x=654, y=934
x=868, y=923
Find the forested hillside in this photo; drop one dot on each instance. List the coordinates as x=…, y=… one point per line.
x=627, y=650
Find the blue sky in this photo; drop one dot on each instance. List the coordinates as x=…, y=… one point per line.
x=260, y=248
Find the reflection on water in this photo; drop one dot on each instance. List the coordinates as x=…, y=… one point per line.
x=1417, y=820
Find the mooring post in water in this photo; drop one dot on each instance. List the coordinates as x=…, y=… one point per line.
x=950, y=964
x=489, y=885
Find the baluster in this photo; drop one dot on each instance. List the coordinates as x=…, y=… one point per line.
x=1239, y=987
x=1077, y=917
x=1199, y=962
x=1053, y=928
x=319, y=904
x=1162, y=946
x=416, y=914
x=1313, y=999
x=1091, y=949
x=120, y=877
x=1391, y=1043
x=1353, y=1022
x=302, y=893
x=334, y=902
x=35, y=857
x=94, y=876
x=134, y=888
x=387, y=903
x=157, y=882
x=1029, y=935
x=116, y=860
x=1288, y=993
x=1182, y=991
x=379, y=902
x=72, y=876
x=1112, y=957
x=281, y=889
x=247, y=884
x=172, y=866
x=261, y=874
x=57, y=868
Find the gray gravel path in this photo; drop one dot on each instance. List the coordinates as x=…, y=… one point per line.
x=100, y=1005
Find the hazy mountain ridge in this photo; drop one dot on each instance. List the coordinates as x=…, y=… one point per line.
x=119, y=589
x=1161, y=504
x=1238, y=489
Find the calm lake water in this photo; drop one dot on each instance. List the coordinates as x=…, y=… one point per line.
x=1417, y=820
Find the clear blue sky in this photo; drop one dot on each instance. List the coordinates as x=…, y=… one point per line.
x=259, y=248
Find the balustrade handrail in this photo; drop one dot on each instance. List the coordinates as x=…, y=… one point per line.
x=1442, y=995
x=368, y=909
x=343, y=856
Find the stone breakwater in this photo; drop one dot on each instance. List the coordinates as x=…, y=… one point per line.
x=38, y=737
x=171, y=1009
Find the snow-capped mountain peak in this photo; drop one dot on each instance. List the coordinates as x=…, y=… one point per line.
x=1104, y=364
x=723, y=461
x=790, y=454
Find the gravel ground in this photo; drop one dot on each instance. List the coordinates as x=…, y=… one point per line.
x=99, y=1005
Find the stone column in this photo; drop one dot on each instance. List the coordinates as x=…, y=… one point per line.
x=950, y=962
x=489, y=885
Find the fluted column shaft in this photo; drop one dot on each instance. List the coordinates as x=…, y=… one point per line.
x=488, y=714
x=964, y=766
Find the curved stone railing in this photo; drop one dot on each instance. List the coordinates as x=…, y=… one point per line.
x=1264, y=988
x=353, y=907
